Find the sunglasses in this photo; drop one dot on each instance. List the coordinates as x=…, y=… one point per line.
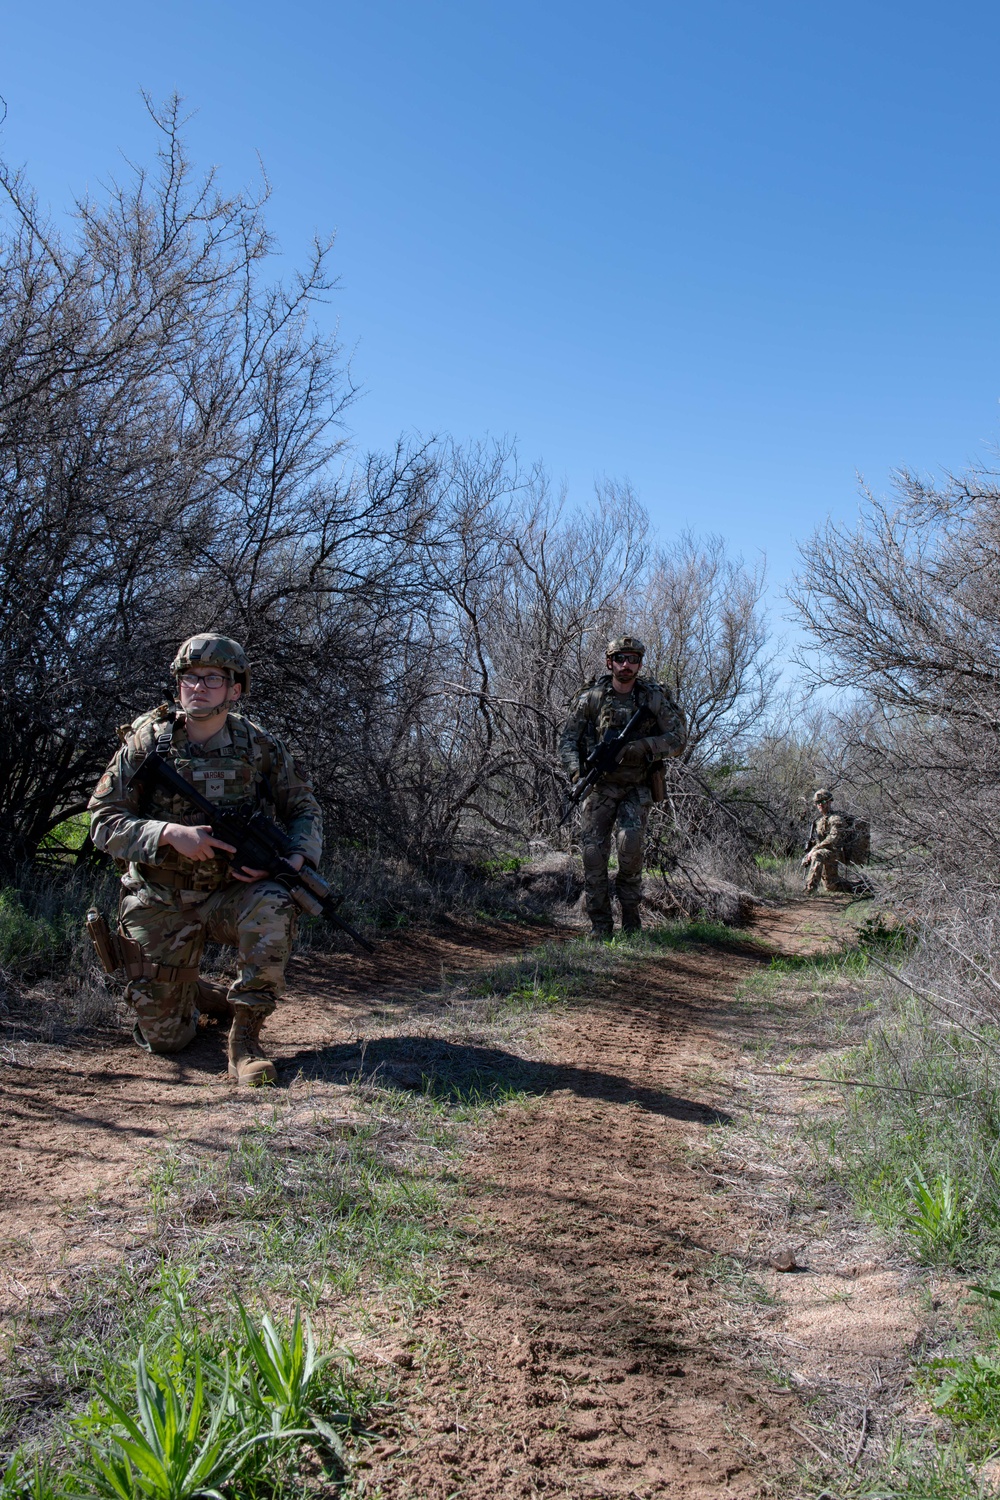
x=627, y=656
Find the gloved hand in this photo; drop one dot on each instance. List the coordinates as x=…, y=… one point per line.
x=636, y=753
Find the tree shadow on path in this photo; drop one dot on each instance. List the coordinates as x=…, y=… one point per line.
x=465, y=1074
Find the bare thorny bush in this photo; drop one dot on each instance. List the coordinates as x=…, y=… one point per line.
x=904, y=612
x=173, y=458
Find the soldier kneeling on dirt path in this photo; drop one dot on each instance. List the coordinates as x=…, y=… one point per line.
x=835, y=838
x=625, y=793
x=179, y=889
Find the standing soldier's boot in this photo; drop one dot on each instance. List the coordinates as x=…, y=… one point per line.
x=247, y=1063
x=600, y=934
x=631, y=921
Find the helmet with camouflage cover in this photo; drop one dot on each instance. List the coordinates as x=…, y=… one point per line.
x=822, y=795
x=625, y=643
x=211, y=650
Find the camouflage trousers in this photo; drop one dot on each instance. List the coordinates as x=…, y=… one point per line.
x=825, y=865
x=607, y=804
x=258, y=920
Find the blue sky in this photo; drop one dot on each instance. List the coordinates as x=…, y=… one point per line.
x=733, y=252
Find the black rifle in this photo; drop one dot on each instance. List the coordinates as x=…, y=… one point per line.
x=259, y=843
x=604, y=758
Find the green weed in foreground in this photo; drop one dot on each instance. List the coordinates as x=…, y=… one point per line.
x=938, y=1223
x=177, y=1446
x=238, y=1411
x=966, y=1390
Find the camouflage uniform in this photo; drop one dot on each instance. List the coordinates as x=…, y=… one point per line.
x=171, y=905
x=825, y=848
x=624, y=795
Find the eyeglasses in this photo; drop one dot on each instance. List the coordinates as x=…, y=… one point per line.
x=209, y=680
x=623, y=656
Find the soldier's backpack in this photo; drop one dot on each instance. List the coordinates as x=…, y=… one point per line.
x=857, y=845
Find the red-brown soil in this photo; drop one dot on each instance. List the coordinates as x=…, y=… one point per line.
x=580, y=1348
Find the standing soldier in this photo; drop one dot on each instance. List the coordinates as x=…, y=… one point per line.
x=179, y=889
x=827, y=845
x=624, y=794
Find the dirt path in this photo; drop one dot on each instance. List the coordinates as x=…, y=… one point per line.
x=583, y=1350
x=576, y=1363
x=582, y=1346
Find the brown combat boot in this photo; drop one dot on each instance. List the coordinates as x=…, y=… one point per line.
x=213, y=1000
x=247, y=1063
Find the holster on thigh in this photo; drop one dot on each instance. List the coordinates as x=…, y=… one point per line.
x=138, y=966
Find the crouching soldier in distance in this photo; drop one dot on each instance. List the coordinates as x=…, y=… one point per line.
x=827, y=845
x=179, y=889
x=624, y=794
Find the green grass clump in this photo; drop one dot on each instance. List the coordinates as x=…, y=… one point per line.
x=912, y=1471
x=544, y=977
x=553, y=974
x=29, y=942
x=42, y=920
x=702, y=931
x=248, y=1408
x=348, y=1207
x=919, y=1150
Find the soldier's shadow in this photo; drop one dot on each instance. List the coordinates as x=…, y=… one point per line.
x=464, y=1074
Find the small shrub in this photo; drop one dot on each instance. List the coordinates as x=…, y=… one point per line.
x=938, y=1224
x=968, y=1394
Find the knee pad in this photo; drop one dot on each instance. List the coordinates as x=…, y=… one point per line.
x=594, y=857
x=630, y=851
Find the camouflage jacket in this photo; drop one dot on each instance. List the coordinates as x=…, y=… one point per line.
x=240, y=763
x=599, y=708
x=829, y=832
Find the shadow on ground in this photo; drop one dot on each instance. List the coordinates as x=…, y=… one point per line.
x=465, y=1074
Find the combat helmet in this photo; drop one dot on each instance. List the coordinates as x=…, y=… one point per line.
x=823, y=794
x=208, y=649
x=625, y=643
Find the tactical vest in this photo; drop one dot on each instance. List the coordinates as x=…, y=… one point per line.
x=607, y=709
x=229, y=779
